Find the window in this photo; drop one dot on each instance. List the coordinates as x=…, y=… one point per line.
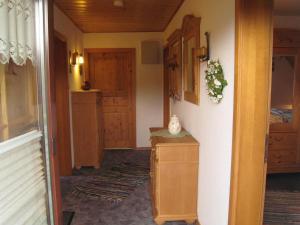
x=18, y=99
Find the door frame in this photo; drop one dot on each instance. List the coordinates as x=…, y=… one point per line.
x=56, y=210
x=62, y=38
x=253, y=69
x=132, y=51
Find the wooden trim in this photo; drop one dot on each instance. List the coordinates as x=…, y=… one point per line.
x=166, y=113
x=133, y=52
x=60, y=36
x=142, y=149
x=191, y=29
x=133, y=93
x=54, y=165
x=62, y=105
x=254, y=33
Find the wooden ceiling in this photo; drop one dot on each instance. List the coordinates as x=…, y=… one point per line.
x=101, y=16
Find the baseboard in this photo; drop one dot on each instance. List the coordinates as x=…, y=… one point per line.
x=142, y=148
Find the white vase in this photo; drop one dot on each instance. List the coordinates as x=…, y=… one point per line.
x=174, y=125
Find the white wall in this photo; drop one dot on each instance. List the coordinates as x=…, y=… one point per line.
x=292, y=22
x=209, y=123
x=149, y=79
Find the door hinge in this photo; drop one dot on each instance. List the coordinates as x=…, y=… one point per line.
x=266, y=148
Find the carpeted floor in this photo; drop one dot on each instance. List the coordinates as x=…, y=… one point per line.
x=282, y=203
x=135, y=209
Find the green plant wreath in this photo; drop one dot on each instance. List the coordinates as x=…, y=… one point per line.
x=215, y=80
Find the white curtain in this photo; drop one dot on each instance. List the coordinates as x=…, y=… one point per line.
x=17, y=31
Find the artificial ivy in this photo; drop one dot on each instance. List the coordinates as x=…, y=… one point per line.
x=215, y=80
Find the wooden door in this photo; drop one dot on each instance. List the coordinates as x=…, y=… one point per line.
x=254, y=34
x=61, y=102
x=112, y=71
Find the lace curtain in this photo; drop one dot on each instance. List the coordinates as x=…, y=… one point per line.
x=17, y=31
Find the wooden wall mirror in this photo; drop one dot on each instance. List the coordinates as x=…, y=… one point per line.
x=174, y=64
x=191, y=65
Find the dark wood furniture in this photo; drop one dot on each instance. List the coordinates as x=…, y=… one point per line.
x=87, y=128
x=174, y=178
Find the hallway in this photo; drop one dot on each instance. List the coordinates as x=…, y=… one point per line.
x=133, y=210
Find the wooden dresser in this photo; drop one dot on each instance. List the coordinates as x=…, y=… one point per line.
x=174, y=178
x=87, y=128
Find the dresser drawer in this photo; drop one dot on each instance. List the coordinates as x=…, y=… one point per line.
x=282, y=140
x=288, y=156
x=178, y=153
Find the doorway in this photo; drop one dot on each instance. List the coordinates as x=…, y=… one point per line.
x=282, y=201
x=61, y=102
x=112, y=71
x=251, y=142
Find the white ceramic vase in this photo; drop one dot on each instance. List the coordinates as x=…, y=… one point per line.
x=174, y=125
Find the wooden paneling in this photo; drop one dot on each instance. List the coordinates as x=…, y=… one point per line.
x=174, y=178
x=287, y=38
x=254, y=33
x=96, y=16
x=113, y=72
x=62, y=106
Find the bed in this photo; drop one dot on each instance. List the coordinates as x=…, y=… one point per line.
x=280, y=115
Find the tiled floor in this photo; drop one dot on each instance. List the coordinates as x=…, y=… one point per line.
x=135, y=210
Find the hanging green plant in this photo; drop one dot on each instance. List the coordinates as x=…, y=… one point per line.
x=215, y=80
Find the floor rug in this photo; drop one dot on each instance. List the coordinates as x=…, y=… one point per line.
x=282, y=208
x=113, y=184
x=68, y=217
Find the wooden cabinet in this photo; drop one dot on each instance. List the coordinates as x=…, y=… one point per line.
x=87, y=128
x=284, y=156
x=174, y=178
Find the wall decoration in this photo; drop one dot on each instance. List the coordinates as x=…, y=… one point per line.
x=174, y=63
x=215, y=80
x=191, y=64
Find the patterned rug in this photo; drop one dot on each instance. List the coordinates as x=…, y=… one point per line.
x=282, y=208
x=113, y=184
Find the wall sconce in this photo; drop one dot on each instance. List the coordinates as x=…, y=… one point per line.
x=76, y=59
x=80, y=61
x=203, y=52
x=73, y=58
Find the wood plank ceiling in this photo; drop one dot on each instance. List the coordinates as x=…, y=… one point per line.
x=101, y=16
